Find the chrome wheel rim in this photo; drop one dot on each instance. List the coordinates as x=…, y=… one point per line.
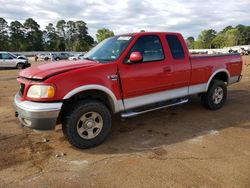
x=89, y=125
x=218, y=95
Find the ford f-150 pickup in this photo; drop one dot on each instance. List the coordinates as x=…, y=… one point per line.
x=128, y=74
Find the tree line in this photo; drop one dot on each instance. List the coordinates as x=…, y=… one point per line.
x=74, y=36
x=229, y=36
x=64, y=36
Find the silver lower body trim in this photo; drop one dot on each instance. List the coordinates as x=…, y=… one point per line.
x=155, y=97
x=234, y=79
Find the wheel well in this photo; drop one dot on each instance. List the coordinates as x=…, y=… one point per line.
x=19, y=63
x=221, y=76
x=89, y=94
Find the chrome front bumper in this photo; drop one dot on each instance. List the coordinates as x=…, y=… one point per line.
x=37, y=115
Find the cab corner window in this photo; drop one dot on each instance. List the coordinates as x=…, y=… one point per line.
x=150, y=48
x=175, y=47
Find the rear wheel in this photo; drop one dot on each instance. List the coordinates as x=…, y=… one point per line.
x=216, y=95
x=87, y=124
x=57, y=59
x=20, y=66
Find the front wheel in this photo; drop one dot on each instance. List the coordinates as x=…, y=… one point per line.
x=20, y=66
x=87, y=124
x=216, y=95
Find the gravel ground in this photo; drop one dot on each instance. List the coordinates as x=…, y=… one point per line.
x=184, y=146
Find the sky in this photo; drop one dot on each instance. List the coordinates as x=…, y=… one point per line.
x=188, y=17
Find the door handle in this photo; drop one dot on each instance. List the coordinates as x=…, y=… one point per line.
x=167, y=69
x=113, y=77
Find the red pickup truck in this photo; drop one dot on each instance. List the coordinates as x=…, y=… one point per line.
x=128, y=74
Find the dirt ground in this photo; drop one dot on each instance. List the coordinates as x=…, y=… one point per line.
x=184, y=146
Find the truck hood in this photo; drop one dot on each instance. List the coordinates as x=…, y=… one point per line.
x=49, y=69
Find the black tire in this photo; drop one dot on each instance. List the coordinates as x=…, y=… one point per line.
x=57, y=59
x=46, y=58
x=72, y=119
x=20, y=66
x=209, y=99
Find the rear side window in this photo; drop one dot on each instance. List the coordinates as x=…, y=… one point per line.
x=175, y=47
x=150, y=47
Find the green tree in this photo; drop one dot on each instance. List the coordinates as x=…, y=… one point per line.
x=16, y=30
x=226, y=29
x=103, y=34
x=219, y=41
x=83, y=40
x=232, y=37
x=60, y=28
x=244, y=34
x=51, y=38
x=205, y=38
x=70, y=34
x=61, y=44
x=33, y=35
x=190, y=42
x=4, y=34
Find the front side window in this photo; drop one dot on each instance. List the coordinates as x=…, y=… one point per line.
x=109, y=50
x=175, y=47
x=150, y=48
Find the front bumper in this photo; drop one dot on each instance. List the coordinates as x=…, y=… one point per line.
x=37, y=115
x=27, y=65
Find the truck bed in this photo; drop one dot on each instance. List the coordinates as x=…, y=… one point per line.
x=204, y=65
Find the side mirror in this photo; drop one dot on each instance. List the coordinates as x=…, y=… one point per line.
x=135, y=57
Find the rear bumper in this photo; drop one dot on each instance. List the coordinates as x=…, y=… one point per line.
x=36, y=115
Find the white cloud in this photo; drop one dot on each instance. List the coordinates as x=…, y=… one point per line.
x=187, y=17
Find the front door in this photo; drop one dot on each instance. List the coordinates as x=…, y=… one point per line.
x=143, y=82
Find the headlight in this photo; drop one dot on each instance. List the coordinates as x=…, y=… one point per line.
x=41, y=91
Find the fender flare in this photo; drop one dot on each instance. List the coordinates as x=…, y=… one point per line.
x=216, y=72
x=116, y=106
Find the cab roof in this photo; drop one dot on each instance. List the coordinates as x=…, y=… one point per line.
x=150, y=33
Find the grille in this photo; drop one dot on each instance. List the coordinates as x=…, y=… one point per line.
x=22, y=86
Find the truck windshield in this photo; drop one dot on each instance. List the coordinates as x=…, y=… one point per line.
x=109, y=50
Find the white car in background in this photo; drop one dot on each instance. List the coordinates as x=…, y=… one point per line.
x=9, y=60
x=76, y=57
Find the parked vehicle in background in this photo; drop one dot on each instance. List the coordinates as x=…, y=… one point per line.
x=9, y=60
x=244, y=51
x=21, y=56
x=60, y=56
x=128, y=74
x=56, y=56
x=41, y=56
x=76, y=57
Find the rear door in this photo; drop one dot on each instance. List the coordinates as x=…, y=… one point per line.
x=144, y=82
x=180, y=60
